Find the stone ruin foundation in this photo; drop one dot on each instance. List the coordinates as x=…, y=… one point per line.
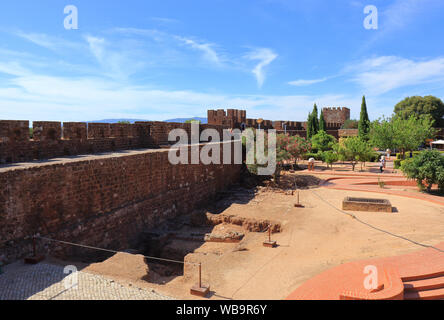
x=366, y=204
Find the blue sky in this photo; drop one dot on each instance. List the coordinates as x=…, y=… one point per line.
x=166, y=59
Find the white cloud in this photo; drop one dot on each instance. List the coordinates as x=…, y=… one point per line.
x=34, y=96
x=117, y=60
x=12, y=68
x=48, y=42
x=383, y=74
x=206, y=48
x=96, y=46
x=265, y=56
x=164, y=20
x=302, y=82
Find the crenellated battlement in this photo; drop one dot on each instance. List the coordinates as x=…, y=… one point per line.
x=335, y=116
x=51, y=139
x=55, y=139
x=233, y=118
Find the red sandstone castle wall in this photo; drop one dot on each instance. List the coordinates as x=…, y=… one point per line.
x=104, y=200
x=335, y=117
x=233, y=118
x=51, y=139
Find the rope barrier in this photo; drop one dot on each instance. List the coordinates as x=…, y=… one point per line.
x=376, y=228
x=113, y=251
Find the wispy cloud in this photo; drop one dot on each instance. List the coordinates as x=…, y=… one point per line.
x=207, y=49
x=265, y=57
x=302, y=82
x=164, y=20
x=34, y=95
x=12, y=68
x=155, y=34
x=46, y=41
x=118, y=62
x=386, y=73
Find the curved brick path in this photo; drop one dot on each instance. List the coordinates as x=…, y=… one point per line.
x=45, y=281
x=342, y=178
x=418, y=275
x=392, y=187
x=423, y=269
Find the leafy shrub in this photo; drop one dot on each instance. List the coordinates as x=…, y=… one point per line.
x=316, y=156
x=427, y=167
x=322, y=141
x=407, y=155
x=381, y=183
x=330, y=157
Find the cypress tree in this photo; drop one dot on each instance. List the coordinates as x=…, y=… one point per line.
x=322, y=124
x=315, y=119
x=309, y=125
x=364, y=122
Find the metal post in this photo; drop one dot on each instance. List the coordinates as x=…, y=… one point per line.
x=269, y=233
x=200, y=275
x=33, y=246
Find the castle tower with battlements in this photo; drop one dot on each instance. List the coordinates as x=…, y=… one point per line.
x=335, y=117
x=233, y=118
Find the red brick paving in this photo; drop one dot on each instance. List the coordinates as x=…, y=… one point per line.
x=418, y=275
x=409, y=190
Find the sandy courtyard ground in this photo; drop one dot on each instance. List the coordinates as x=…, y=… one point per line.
x=313, y=239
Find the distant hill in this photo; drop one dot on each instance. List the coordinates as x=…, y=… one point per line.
x=116, y=120
x=180, y=120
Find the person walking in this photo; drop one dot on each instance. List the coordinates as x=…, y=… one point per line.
x=311, y=163
x=382, y=164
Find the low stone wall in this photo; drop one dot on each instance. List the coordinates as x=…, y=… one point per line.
x=366, y=204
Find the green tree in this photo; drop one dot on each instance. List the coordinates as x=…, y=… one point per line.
x=354, y=149
x=330, y=157
x=123, y=122
x=364, y=122
x=401, y=134
x=428, y=167
x=322, y=141
x=315, y=119
x=428, y=105
x=309, y=126
x=290, y=148
x=322, y=124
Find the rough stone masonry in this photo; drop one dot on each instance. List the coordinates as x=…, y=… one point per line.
x=100, y=200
